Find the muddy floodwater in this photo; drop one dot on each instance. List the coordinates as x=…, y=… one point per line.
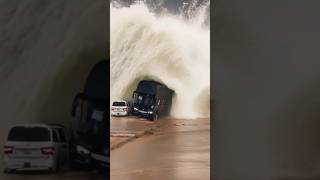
x=176, y=149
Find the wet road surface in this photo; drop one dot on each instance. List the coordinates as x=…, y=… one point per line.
x=125, y=129
x=177, y=149
x=129, y=124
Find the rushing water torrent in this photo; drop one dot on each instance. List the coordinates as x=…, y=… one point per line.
x=166, y=48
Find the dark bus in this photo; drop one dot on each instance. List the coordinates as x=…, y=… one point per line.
x=89, y=138
x=151, y=100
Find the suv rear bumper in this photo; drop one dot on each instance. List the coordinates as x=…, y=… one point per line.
x=119, y=113
x=28, y=164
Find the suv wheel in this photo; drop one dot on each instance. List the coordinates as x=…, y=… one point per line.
x=55, y=169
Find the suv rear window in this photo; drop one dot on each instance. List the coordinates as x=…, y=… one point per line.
x=119, y=104
x=29, y=134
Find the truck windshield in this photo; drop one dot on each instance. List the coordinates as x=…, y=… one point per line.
x=143, y=99
x=148, y=101
x=29, y=134
x=93, y=132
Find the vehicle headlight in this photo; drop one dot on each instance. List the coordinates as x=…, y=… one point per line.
x=82, y=150
x=150, y=112
x=135, y=109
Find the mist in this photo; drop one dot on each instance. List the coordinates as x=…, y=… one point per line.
x=47, y=49
x=267, y=92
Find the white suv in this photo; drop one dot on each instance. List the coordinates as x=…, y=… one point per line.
x=36, y=147
x=120, y=108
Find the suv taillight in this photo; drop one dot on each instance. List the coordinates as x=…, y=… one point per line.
x=48, y=150
x=8, y=149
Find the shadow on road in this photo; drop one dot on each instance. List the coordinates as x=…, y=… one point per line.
x=48, y=175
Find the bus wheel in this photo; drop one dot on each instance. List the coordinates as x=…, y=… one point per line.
x=155, y=117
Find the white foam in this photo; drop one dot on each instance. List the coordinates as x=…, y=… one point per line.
x=166, y=48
